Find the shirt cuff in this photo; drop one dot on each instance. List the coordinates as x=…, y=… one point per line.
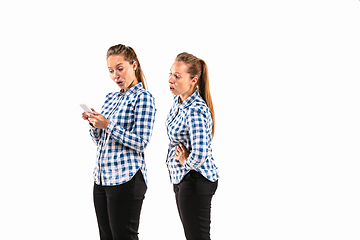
x=187, y=165
x=118, y=132
x=110, y=127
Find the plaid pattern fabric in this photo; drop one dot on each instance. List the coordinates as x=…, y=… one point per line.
x=120, y=147
x=190, y=123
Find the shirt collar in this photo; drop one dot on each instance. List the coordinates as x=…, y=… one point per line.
x=187, y=101
x=133, y=89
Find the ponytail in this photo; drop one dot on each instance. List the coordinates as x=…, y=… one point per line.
x=129, y=55
x=198, y=68
x=204, y=90
x=138, y=72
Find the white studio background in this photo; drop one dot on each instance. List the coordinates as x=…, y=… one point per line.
x=284, y=77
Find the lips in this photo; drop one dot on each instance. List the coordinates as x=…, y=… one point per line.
x=172, y=89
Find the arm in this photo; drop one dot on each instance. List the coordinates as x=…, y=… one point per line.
x=95, y=134
x=198, y=138
x=140, y=135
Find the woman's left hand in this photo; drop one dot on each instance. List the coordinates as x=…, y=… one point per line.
x=181, y=153
x=98, y=120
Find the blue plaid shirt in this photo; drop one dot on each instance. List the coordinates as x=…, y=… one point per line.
x=120, y=147
x=190, y=123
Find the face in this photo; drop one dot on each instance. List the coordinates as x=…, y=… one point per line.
x=122, y=72
x=180, y=82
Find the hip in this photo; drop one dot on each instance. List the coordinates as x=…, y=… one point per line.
x=196, y=182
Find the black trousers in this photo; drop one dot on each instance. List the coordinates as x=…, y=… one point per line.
x=118, y=208
x=193, y=198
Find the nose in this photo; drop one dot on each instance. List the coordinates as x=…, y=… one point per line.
x=171, y=79
x=116, y=75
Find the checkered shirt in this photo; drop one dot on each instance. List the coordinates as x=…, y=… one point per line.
x=190, y=123
x=120, y=147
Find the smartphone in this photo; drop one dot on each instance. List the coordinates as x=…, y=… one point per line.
x=86, y=108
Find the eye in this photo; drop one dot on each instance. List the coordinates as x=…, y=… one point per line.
x=175, y=75
x=120, y=69
x=111, y=71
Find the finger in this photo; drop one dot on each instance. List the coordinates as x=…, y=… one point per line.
x=92, y=120
x=94, y=112
x=183, y=147
x=85, y=116
x=92, y=115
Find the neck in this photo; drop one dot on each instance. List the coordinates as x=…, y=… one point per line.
x=184, y=96
x=133, y=83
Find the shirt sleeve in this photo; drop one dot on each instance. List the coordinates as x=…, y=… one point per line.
x=140, y=135
x=95, y=134
x=198, y=139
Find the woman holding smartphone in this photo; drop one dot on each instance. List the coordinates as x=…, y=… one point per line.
x=190, y=126
x=121, y=132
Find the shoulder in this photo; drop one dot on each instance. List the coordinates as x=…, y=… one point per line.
x=143, y=99
x=199, y=107
x=197, y=113
x=144, y=95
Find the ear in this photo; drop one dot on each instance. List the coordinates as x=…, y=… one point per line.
x=134, y=65
x=194, y=80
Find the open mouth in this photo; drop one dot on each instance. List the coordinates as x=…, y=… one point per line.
x=172, y=89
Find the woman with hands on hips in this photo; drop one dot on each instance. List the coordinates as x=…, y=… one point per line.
x=121, y=132
x=190, y=127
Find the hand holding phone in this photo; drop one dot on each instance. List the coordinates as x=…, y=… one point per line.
x=95, y=119
x=86, y=112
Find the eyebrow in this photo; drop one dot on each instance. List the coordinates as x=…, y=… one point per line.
x=117, y=65
x=176, y=72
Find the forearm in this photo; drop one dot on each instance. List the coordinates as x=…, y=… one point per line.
x=95, y=134
x=126, y=138
x=199, y=140
x=196, y=158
